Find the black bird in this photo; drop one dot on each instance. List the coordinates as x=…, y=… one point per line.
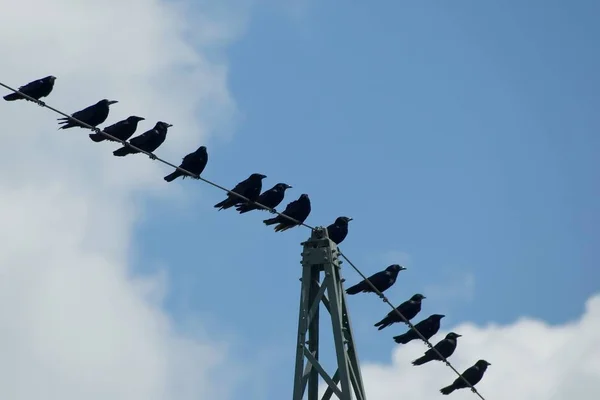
x=122, y=130
x=93, y=115
x=147, y=141
x=382, y=280
x=194, y=162
x=270, y=198
x=36, y=89
x=428, y=327
x=297, y=209
x=445, y=347
x=410, y=308
x=249, y=188
x=338, y=230
x=473, y=375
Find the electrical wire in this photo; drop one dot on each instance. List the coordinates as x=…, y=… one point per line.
x=272, y=210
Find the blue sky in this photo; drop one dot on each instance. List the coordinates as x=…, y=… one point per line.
x=460, y=136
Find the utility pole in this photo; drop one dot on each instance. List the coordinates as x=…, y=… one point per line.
x=322, y=255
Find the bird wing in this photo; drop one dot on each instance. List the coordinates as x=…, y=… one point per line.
x=144, y=138
x=32, y=86
x=188, y=159
x=85, y=113
x=115, y=127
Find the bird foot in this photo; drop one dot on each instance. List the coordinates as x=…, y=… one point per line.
x=272, y=211
x=41, y=103
x=97, y=130
x=152, y=156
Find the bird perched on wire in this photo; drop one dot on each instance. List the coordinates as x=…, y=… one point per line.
x=409, y=309
x=122, y=130
x=338, y=231
x=93, y=115
x=428, y=327
x=445, y=347
x=36, y=89
x=473, y=375
x=249, y=188
x=147, y=141
x=297, y=209
x=382, y=280
x=270, y=198
x=194, y=162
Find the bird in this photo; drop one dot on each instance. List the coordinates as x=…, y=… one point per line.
x=147, y=141
x=410, y=308
x=36, y=89
x=338, y=231
x=93, y=115
x=473, y=375
x=428, y=327
x=382, y=280
x=122, y=130
x=270, y=198
x=194, y=162
x=297, y=209
x=445, y=347
x=249, y=188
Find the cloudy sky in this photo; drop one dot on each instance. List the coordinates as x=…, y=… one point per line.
x=461, y=137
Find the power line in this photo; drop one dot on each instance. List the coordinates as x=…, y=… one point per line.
x=272, y=210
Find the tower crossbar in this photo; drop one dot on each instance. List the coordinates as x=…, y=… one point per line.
x=320, y=256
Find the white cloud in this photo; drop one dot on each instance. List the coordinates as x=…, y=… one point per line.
x=530, y=360
x=74, y=323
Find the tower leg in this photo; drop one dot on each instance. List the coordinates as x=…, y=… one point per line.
x=321, y=255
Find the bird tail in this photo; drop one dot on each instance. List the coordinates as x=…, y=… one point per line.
x=271, y=221
x=97, y=137
x=173, y=175
x=243, y=208
x=384, y=323
x=222, y=204
x=283, y=226
x=122, y=152
x=359, y=287
x=448, y=389
x=404, y=338
x=421, y=360
x=12, y=97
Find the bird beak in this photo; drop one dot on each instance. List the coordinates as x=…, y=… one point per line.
x=457, y=335
x=263, y=176
x=112, y=102
x=169, y=125
x=349, y=219
x=141, y=118
x=402, y=268
x=442, y=316
x=424, y=297
x=488, y=363
x=288, y=186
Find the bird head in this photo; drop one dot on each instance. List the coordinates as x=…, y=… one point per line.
x=51, y=78
x=283, y=186
x=482, y=363
x=304, y=196
x=162, y=125
x=201, y=149
x=133, y=118
x=418, y=297
x=395, y=268
x=437, y=316
x=452, y=335
x=257, y=177
x=342, y=220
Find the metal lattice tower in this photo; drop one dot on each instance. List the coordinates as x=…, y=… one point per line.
x=321, y=255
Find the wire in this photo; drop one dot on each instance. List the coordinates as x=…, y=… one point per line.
x=272, y=210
